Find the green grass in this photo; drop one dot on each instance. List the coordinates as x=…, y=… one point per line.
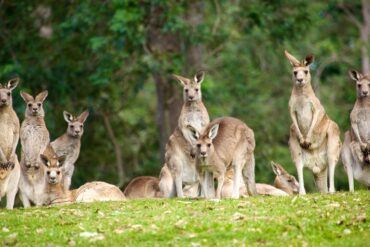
x=313, y=220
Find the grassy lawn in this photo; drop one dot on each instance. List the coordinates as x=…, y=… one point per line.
x=341, y=219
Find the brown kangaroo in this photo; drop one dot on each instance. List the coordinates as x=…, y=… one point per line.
x=314, y=140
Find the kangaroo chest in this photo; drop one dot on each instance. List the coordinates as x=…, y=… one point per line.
x=363, y=123
x=7, y=132
x=303, y=108
x=34, y=140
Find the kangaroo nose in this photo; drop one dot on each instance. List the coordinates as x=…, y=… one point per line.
x=203, y=153
x=299, y=80
x=3, y=100
x=365, y=93
x=77, y=131
x=191, y=97
x=34, y=109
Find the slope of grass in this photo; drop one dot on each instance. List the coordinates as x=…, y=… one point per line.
x=313, y=220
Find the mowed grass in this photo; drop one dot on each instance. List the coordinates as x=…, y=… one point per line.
x=340, y=219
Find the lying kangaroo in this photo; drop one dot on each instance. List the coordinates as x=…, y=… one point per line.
x=179, y=153
x=69, y=144
x=55, y=192
x=314, y=140
x=356, y=145
x=143, y=187
x=284, y=184
x=9, y=137
x=34, y=139
x=227, y=142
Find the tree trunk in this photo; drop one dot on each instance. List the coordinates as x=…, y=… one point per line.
x=364, y=30
x=116, y=148
x=163, y=45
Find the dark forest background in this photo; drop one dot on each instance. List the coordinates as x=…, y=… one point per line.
x=115, y=58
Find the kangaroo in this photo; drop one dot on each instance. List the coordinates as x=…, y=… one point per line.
x=180, y=162
x=9, y=137
x=314, y=140
x=143, y=187
x=284, y=184
x=227, y=142
x=193, y=112
x=34, y=139
x=179, y=149
x=356, y=146
x=166, y=185
x=69, y=144
x=56, y=193
x=53, y=174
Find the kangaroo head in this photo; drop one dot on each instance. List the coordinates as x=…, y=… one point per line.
x=362, y=83
x=35, y=105
x=284, y=180
x=53, y=165
x=6, y=92
x=75, y=124
x=204, y=142
x=5, y=169
x=192, y=87
x=301, y=70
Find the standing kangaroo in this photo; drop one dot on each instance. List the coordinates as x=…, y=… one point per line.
x=179, y=149
x=226, y=142
x=9, y=137
x=314, y=140
x=69, y=144
x=34, y=139
x=356, y=146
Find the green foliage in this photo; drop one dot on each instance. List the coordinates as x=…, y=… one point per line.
x=314, y=220
x=98, y=57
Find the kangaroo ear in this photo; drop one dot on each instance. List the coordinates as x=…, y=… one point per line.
x=194, y=134
x=275, y=168
x=12, y=83
x=293, y=61
x=356, y=76
x=184, y=81
x=83, y=116
x=42, y=96
x=308, y=60
x=26, y=97
x=213, y=131
x=61, y=160
x=67, y=116
x=199, y=77
x=44, y=160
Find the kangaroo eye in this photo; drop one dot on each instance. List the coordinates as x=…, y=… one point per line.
x=58, y=172
x=39, y=104
x=198, y=145
x=8, y=93
x=71, y=126
x=209, y=144
x=29, y=105
x=81, y=126
x=197, y=89
x=186, y=90
x=359, y=85
x=295, y=73
x=48, y=172
x=306, y=72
